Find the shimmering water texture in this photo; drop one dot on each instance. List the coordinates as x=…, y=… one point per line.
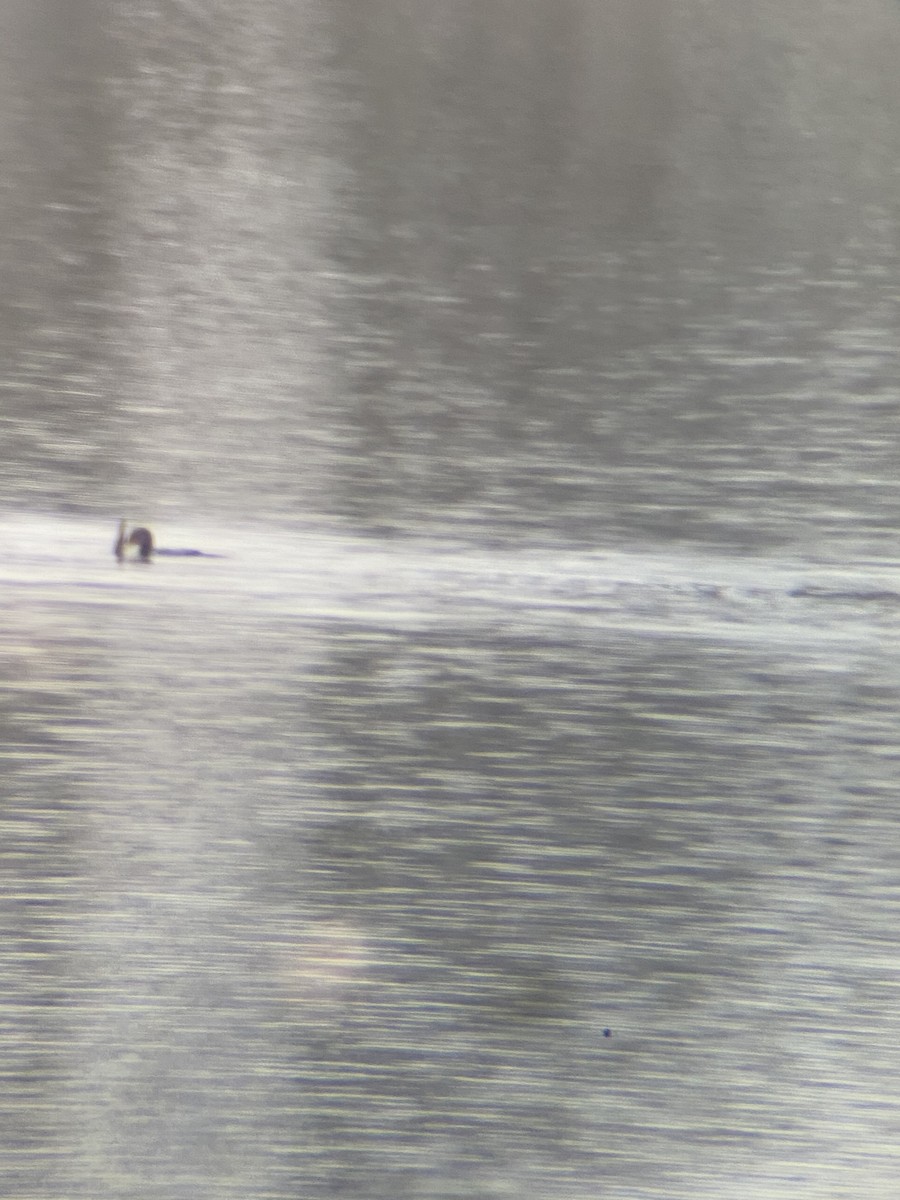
x=532, y=368
x=359, y=868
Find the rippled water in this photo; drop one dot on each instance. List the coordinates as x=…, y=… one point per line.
x=510, y=809
x=330, y=863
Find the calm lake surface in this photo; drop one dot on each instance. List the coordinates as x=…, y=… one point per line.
x=509, y=809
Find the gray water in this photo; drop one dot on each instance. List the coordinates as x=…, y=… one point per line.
x=509, y=810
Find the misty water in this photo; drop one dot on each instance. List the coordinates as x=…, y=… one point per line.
x=509, y=808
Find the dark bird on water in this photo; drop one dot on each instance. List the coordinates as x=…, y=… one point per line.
x=140, y=538
x=138, y=546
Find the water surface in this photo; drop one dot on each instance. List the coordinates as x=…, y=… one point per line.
x=510, y=810
x=332, y=861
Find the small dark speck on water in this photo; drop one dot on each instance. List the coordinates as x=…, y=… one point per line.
x=607, y=1033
